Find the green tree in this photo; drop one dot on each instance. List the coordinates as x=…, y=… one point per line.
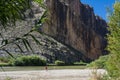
x=11, y=10
x=113, y=63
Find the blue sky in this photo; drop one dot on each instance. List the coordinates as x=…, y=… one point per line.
x=100, y=6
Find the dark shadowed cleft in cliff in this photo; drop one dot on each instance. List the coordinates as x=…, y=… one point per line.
x=76, y=25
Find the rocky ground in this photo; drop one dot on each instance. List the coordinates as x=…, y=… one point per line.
x=66, y=74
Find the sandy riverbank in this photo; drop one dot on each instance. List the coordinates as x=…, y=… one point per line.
x=64, y=74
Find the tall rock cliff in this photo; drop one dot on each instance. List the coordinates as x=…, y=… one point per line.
x=76, y=25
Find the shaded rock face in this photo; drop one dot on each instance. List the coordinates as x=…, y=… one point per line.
x=76, y=25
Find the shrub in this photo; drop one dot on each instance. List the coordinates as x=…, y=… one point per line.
x=5, y=59
x=80, y=63
x=113, y=66
x=59, y=63
x=99, y=63
x=28, y=61
x=4, y=64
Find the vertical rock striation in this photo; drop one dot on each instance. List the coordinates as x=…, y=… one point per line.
x=76, y=25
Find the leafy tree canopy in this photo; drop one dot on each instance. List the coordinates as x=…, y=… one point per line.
x=113, y=64
x=11, y=10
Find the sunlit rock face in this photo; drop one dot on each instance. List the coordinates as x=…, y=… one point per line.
x=76, y=25
x=49, y=48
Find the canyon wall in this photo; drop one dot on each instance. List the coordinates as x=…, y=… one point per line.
x=76, y=25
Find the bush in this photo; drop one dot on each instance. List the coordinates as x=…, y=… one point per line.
x=113, y=66
x=5, y=59
x=4, y=64
x=80, y=63
x=28, y=61
x=99, y=63
x=59, y=63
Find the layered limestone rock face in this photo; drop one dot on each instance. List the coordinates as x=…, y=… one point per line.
x=76, y=25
